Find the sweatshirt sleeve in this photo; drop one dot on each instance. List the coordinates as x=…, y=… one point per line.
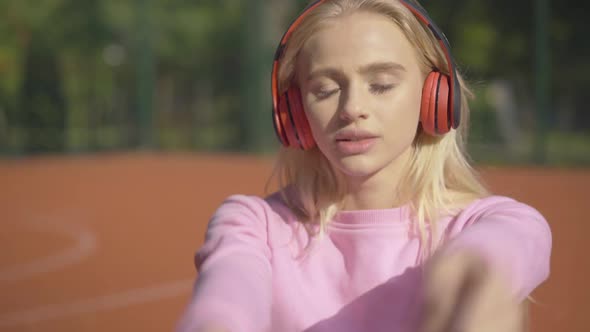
x=513, y=237
x=233, y=288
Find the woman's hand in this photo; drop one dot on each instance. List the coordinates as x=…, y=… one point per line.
x=463, y=294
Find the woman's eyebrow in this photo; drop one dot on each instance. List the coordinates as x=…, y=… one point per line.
x=377, y=67
x=371, y=68
x=329, y=72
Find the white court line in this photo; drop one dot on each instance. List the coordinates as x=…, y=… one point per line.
x=107, y=302
x=85, y=245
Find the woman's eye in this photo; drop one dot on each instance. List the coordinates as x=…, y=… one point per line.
x=381, y=88
x=323, y=94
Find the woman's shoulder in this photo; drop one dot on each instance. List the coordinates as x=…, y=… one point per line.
x=259, y=205
x=268, y=214
x=497, y=203
x=494, y=205
x=503, y=213
x=270, y=210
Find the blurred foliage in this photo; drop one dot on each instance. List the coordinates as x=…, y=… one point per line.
x=69, y=78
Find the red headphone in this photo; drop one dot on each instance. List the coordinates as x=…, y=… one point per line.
x=441, y=94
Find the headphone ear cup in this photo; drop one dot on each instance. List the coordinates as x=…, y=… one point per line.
x=443, y=112
x=303, y=130
x=428, y=101
x=286, y=123
x=434, y=109
x=277, y=123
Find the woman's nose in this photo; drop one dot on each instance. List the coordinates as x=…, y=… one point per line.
x=351, y=107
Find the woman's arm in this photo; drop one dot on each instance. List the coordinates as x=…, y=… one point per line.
x=512, y=238
x=463, y=293
x=480, y=279
x=233, y=289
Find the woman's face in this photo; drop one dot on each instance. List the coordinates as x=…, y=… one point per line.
x=361, y=87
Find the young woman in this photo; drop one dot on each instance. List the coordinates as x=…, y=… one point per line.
x=380, y=223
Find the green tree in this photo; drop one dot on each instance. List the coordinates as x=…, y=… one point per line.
x=42, y=104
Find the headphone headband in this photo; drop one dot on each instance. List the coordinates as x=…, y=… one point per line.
x=455, y=93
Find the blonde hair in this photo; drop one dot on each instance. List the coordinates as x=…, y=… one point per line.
x=440, y=179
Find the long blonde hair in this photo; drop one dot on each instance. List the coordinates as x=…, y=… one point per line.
x=440, y=179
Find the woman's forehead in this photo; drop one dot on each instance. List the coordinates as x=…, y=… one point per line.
x=357, y=40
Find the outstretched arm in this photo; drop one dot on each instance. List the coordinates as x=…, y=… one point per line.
x=233, y=289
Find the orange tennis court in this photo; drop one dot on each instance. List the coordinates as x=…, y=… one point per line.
x=105, y=242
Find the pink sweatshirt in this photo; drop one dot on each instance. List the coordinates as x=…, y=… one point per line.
x=364, y=276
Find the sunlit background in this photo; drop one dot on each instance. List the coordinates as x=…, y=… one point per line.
x=124, y=124
x=92, y=76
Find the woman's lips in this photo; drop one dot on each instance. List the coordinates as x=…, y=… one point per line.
x=355, y=146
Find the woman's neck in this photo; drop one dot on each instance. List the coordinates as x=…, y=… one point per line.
x=380, y=190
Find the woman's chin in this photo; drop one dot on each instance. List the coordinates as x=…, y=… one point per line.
x=354, y=167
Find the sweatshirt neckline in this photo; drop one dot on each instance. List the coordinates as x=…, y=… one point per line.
x=397, y=215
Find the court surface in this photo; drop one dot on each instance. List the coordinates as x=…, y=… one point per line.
x=105, y=243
